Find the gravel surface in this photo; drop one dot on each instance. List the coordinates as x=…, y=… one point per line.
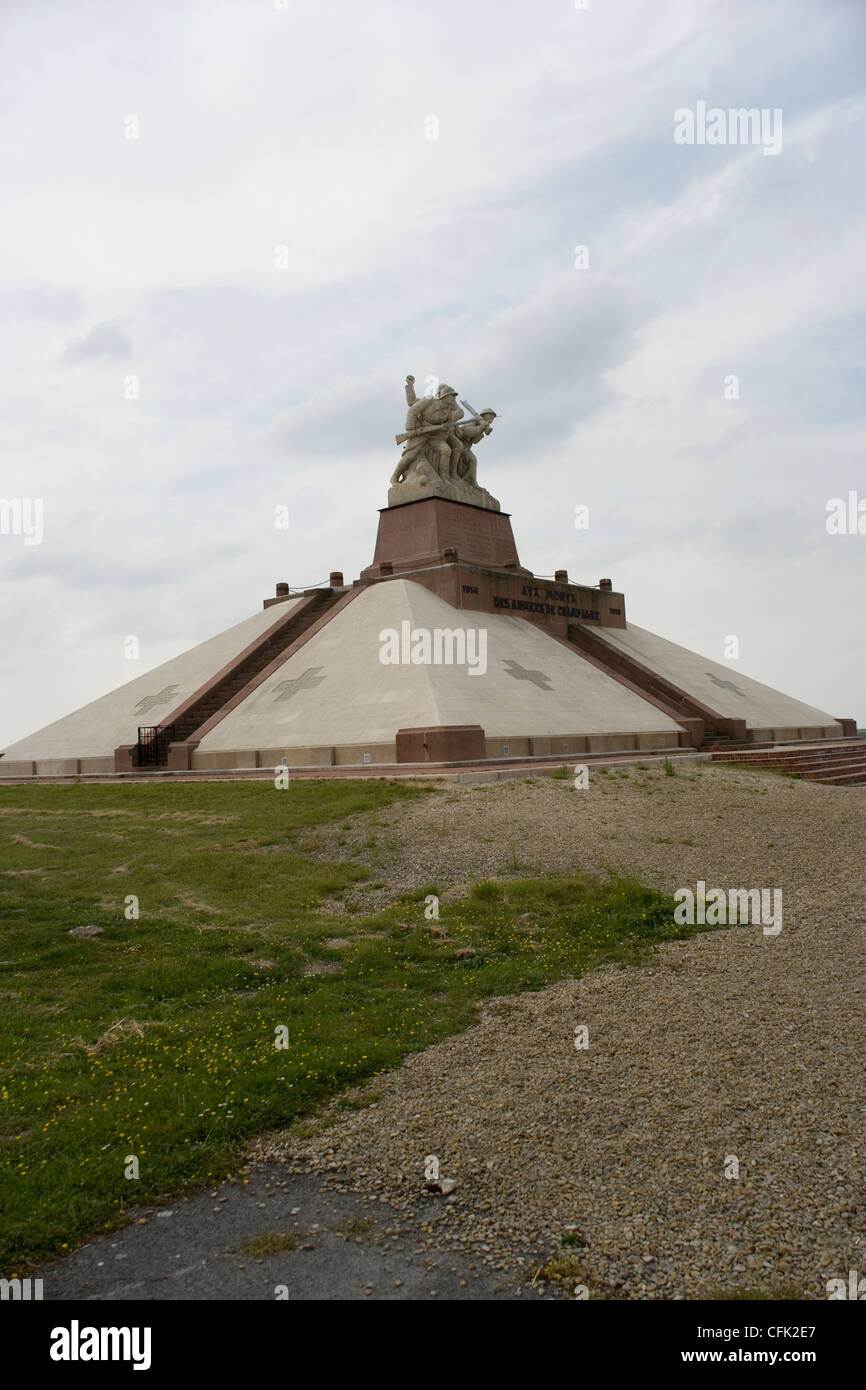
x=732, y=1051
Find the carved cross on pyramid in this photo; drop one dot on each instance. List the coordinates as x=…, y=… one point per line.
x=310, y=678
x=537, y=677
x=150, y=701
x=724, y=685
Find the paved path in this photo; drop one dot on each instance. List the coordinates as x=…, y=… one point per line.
x=191, y=1250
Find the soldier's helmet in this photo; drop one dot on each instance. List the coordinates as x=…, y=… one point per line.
x=491, y=413
x=445, y=390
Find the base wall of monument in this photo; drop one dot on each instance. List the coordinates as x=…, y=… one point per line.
x=553, y=606
x=439, y=744
x=448, y=744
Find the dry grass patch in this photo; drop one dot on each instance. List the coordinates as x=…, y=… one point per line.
x=272, y=1243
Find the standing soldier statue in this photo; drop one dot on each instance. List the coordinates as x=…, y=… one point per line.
x=463, y=461
x=429, y=432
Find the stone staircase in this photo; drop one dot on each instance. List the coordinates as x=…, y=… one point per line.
x=838, y=764
x=219, y=694
x=223, y=690
x=702, y=724
x=723, y=743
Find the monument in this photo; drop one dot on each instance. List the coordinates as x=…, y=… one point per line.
x=437, y=459
x=445, y=651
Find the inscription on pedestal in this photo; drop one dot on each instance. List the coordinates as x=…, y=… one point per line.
x=538, y=599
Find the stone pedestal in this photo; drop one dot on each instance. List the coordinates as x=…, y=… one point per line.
x=436, y=531
x=423, y=483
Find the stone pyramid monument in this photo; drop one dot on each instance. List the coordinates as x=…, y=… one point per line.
x=445, y=650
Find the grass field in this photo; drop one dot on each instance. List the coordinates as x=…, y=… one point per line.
x=158, y=1037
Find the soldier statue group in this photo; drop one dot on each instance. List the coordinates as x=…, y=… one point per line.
x=436, y=444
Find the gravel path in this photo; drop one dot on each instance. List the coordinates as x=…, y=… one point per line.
x=732, y=1051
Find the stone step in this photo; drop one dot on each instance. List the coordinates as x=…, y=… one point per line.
x=818, y=774
x=844, y=781
x=822, y=764
x=778, y=754
x=820, y=754
x=835, y=764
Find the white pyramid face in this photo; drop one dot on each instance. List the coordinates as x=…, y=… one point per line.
x=723, y=688
x=335, y=690
x=97, y=729
x=534, y=685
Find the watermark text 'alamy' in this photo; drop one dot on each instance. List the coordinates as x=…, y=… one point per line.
x=439, y=646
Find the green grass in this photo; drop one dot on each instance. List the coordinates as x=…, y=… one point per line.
x=355, y=1228
x=157, y=1038
x=572, y=1237
x=567, y=1273
x=261, y=1247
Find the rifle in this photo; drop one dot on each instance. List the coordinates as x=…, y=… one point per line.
x=444, y=428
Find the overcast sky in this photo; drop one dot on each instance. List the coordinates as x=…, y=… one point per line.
x=259, y=383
